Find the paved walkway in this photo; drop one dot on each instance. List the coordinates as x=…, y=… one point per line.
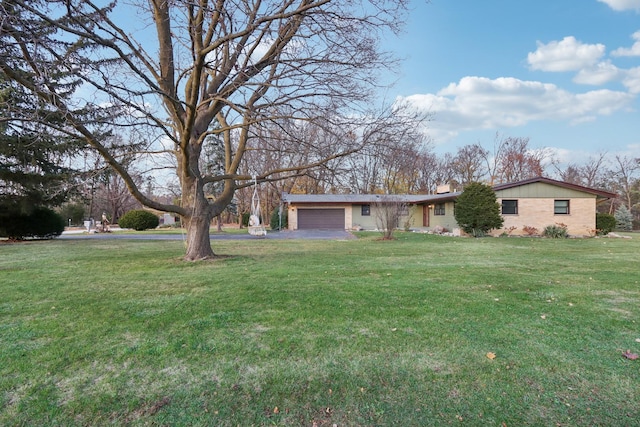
x=150, y=235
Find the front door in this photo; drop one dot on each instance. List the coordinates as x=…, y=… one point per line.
x=425, y=215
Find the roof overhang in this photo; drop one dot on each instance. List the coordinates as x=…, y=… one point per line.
x=598, y=193
x=426, y=199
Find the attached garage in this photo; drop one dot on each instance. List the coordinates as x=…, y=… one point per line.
x=309, y=219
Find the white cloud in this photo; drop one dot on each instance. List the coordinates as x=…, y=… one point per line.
x=476, y=103
x=632, y=80
x=566, y=55
x=599, y=74
x=562, y=155
x=631, y=51
x=621, y=5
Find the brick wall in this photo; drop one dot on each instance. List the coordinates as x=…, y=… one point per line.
x=538, y=213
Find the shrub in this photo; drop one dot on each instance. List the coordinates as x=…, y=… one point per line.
x=605, y=223
x=275, y=220
x=477, y=210
x=530, y=231
x=245, y=219
x=73, y=211
x=139, y=220
x=42, y=223
x=507, y=231
x=556, y=231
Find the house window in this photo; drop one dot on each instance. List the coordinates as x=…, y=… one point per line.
x=509, y=207
x=365, y=210
x=561, y=207
x=439, y=209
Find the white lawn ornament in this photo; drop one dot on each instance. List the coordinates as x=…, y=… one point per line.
x=255, y=226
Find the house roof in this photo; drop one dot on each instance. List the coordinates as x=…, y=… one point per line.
x=600, y=193
x=351, y=198
x=428, y=198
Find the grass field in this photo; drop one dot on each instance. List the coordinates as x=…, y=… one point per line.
x=320, y=333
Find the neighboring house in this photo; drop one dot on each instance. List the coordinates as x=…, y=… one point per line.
x=536, y=202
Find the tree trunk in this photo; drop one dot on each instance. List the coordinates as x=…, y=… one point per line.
x=197, y=220
x=198, y=240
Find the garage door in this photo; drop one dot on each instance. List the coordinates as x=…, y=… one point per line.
x=320, y=218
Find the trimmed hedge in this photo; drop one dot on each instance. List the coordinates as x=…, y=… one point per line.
x=139, y=220
x=605, y=223
x=41, y=223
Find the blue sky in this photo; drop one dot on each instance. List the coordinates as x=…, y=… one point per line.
x=564, y=73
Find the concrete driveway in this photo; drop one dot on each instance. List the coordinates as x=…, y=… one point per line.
x=271, y=235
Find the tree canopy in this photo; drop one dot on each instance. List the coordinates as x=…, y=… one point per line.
x=168, y=75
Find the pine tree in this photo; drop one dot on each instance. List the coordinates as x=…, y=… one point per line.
x=477, y=210
x=31, y=158
x=624, y=219
x=33, y=177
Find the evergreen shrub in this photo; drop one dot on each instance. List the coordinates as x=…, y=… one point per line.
x=477, y=210
x=275, y=220
x=139, y=220
x=73, y=211
x=245, y=219
x=41, y=223
x=605, y=223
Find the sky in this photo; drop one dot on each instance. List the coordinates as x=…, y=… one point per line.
x=563, y=73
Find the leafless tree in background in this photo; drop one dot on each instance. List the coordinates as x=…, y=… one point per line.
x=624, y=179
x=469, y=164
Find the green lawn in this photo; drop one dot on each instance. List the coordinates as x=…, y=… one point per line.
x=302, y=333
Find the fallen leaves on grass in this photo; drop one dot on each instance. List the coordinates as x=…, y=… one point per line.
x=628, y=355
x=491, y=355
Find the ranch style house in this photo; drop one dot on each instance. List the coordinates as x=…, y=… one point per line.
x=537, y=202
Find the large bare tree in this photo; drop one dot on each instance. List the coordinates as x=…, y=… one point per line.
x=170, y=73
x=512, y=160
x=468, y=165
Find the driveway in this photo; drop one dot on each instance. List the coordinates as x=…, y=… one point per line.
x=271, y=235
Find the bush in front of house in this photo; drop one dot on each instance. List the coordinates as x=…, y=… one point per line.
x=556, y=231
x=40, y=223
x=530, y=231
x=605, y=223
x=477, y=210
x=139, y=220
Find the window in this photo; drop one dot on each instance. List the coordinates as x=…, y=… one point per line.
x=365, y=210
x=509, y=207
x=439, y=209
x=561, y=207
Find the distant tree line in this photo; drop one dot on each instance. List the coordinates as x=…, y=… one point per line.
x=410, y=165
